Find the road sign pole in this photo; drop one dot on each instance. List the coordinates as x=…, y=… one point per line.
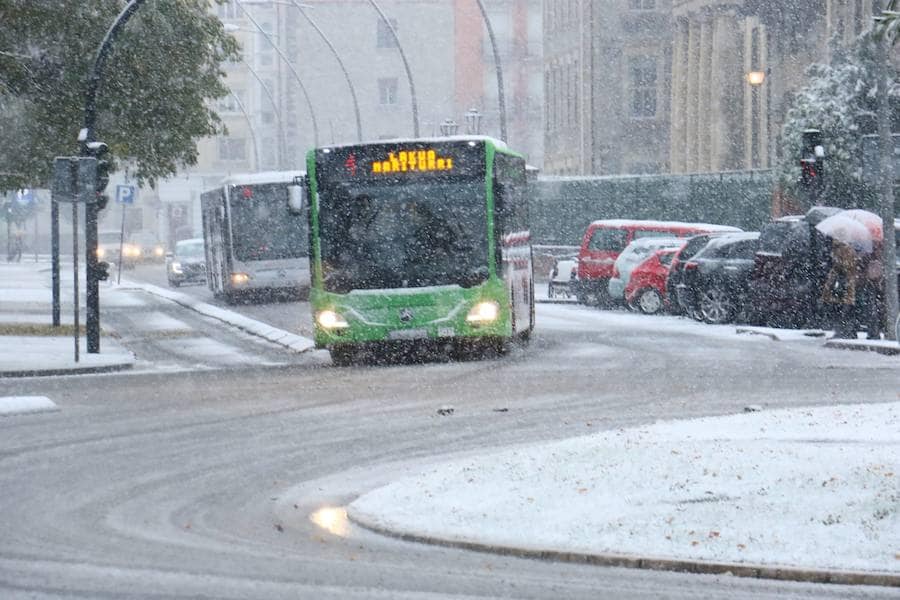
x=121, y=244
x=54, y=257
x=75, y=271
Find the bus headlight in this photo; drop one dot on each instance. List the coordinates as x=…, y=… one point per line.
x=331, y=320
x=240, y=279
x=484, y=312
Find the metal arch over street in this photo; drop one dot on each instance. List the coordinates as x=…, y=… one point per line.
x=412, y=87
x=290, y=65
x=340, y=61
x=501, y=98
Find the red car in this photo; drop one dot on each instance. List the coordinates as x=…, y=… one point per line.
x=646, y=290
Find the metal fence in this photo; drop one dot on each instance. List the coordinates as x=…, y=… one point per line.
x=562, y=207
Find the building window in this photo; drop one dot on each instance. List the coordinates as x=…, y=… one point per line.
x=643, y=87
x=385, y=38
x=232, y=149
x=229, y=10
x=642, y=4
x=232, y=102
x=387, y=91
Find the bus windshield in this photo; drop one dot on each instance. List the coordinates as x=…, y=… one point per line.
x=262, y=226
x=381, y=236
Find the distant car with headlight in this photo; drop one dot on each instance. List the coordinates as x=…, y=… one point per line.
x=149, y=247
x=187, y=264
x=111, y=249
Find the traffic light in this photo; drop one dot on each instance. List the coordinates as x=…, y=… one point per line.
x=101, y=271
x=811, y=172
x=100, y=151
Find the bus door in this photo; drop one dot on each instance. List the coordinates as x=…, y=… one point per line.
x=512, y=236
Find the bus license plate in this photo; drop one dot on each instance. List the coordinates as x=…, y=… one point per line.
x=408, y=334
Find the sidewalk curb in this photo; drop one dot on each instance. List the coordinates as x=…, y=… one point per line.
x=285, y=339
x=862, y=345
x=681, y=565
x=86, y=370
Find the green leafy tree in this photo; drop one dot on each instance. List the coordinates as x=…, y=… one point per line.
x=840, y=100
x=153, y=104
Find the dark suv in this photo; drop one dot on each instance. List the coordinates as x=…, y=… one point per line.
x=789, y=270
x=714, y=282
x=676, y=272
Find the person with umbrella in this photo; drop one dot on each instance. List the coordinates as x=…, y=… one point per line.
x=839, y=290
x=854, y=234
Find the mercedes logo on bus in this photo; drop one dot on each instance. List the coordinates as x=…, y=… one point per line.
x=406, y=315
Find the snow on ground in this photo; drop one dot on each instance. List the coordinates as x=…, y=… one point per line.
x=815, y=488
x=51, y=353
x=20, y=405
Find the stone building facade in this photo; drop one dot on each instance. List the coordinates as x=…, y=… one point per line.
x=732, y=67
x=606, y=81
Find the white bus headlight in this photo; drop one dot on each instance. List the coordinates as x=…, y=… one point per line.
x=484, y=312
x=331, y=320
x=239, y=279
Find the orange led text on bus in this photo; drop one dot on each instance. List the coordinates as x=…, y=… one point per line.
x=412, y=160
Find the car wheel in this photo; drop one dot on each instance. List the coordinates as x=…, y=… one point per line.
x=715, y=306
x=174, y=283
x=650, y=302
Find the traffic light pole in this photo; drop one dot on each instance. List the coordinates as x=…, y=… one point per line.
x=86, y=139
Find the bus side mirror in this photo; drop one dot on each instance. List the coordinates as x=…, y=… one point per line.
x=296, y=195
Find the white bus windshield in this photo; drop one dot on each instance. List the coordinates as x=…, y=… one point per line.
x=414, y=235
x=262, y=226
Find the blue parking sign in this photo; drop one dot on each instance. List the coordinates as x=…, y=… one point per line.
x=125, y=194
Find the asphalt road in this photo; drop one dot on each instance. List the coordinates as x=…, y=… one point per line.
x=203, y=482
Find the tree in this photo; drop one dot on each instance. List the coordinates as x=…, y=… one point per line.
x=840, y=99
x=153, y=103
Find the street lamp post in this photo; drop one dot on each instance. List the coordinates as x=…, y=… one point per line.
x=501, y=98
x=337, y=56
x=449, y=127
x=412, y=87
x=290, y=65
x=473, y=121
x=86, y=139
x=282, y=144
x=243, y=110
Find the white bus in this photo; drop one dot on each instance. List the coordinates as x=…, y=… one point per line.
x=256, y=246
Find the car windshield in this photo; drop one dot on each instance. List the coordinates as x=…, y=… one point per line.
x=189, y=249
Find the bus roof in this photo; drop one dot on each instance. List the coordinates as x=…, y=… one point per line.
x=432, y=140
x=262, y=178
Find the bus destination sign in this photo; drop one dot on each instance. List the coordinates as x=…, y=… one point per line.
x=423, y=160
x=395, y=163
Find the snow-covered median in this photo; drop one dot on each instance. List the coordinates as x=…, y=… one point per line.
x=816, y=488
x=20, y=405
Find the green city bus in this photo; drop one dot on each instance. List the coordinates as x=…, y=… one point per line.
x=419, y=243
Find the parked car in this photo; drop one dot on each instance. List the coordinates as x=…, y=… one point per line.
x=690, y=249
x=634, y=254
x=646, y=289
x=789, y=270
x=562, y=278
x=187, y=264
x=715, y=282
x=603, y=241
